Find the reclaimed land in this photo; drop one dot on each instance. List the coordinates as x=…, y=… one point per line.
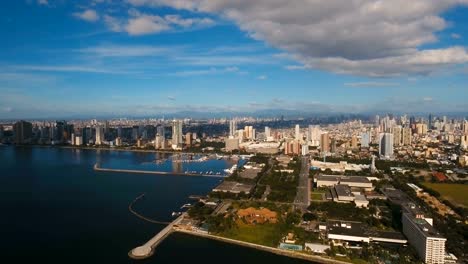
x=455, y=193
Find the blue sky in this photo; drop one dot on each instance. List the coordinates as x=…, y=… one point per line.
x=149, y=57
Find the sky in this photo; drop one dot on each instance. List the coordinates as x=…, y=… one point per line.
x=63, y=58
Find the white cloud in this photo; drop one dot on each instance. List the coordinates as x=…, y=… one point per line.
x=371, y=84
x=43, y=2
x=89, y=15
x=365, y=37
x=125, y=51
x=172, y=98
x=295, y=67
x=262, y=77
x=455, y=36
x=146, y=24
x=114, y=24
x=427, y=99
x=205, y=72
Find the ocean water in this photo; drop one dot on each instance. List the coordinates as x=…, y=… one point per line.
x=56, y=209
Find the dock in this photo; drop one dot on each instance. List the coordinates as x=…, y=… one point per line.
x=146, y=250
x=97, y=168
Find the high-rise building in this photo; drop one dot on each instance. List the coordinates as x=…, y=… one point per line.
x=118, y=141
x=188, y=139
x=78, y=140
x=465, y=127
x=1, y=132
x=464, y=141
x=386, y=145
x=23, y=132
x=365, y=140
x=177, y=134
x=333, y=145
x=429, y=244
x=292, y=147
x=231, y=144
x=397, y=136
x=406, y=136
x=297, y=135
x=429, y=122
x=324, y=143
x=267, y=132
x=73, y=139
x=304, y=149
x=232, y=127
x=249, y=132
x=99, y=135
x=421, y=129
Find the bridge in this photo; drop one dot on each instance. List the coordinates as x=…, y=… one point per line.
x=146, y=250
x=97, y=168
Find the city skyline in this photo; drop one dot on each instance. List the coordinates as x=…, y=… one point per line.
x=150, y=58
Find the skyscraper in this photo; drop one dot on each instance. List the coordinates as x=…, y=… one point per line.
x=324, y=143
x=23, y=132
x=267, y=132
x=188, y=139
x=232, y=127
x=298, y=133
x=99, y=135
x=386, y=145
x=429, y=122
x=177, y=134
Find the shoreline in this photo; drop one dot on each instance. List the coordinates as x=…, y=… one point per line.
x=165, y=151
x=277, y=251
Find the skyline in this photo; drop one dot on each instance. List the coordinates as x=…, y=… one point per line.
x=144, y=57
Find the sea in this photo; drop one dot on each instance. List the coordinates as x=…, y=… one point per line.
x=56, y=209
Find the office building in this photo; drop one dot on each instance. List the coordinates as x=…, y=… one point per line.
x=267, y=132
x=232, y=128
x=429, y=244
x=354, y=141
x=304, y=149
x=421, y=129
x=386, y=145
x=118, y=141
x=177, y=134
x=324, y=143
x=249, y=132
x=23, y=132
x=464, y=142
x=99, y=135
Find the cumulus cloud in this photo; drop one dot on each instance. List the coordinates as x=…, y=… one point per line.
x=455, y=36
x=43, y=2
x=89, y=15
x=365, y=37
x=262, y=77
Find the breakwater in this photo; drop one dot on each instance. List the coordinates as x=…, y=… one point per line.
x=98, y=168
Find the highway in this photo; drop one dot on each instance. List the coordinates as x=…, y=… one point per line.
x=303, y=189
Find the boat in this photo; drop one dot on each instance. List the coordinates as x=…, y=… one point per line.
x=176, y=214
x=185, y=206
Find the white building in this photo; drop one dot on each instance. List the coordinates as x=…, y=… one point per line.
x=423, y=237
x=386, y=145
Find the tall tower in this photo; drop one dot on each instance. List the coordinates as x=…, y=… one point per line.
x=23, y=132
x=232, y=127
x=177, y=133
x=324, y=143
x=99, y=135
x=386, y=145
x=298, y=133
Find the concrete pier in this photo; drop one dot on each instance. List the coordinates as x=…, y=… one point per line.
x=97, y=168
x=146, y=250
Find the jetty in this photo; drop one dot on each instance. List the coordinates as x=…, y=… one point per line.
x=98, y=168
x=146, y=250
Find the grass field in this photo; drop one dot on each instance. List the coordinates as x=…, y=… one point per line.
x=316, y=196
x=455, y=193
x=263, y=234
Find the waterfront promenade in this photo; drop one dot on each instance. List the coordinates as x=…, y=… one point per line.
x=97, y=168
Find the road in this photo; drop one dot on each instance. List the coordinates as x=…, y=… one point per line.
x=303, y=189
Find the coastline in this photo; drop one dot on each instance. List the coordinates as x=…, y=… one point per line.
x=165, y=151
x=277, y=251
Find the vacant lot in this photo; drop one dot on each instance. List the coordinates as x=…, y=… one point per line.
x=455, y=193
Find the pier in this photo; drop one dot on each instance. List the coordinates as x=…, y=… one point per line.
x=97, y=168
x=147, y=249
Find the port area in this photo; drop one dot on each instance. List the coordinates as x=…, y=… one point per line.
x=146, y=250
